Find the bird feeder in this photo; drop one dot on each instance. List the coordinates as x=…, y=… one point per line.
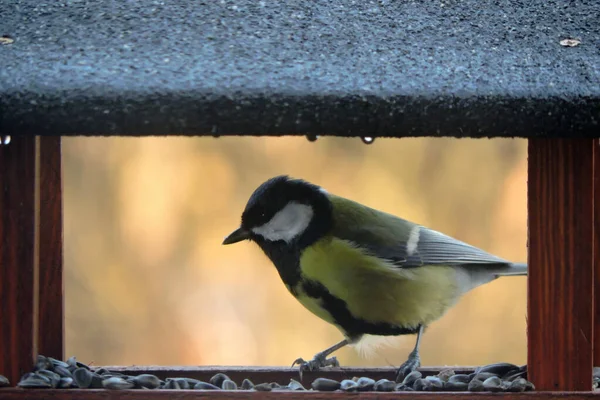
x=368, y=69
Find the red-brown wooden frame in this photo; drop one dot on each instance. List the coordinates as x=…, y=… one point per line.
x=563, y=283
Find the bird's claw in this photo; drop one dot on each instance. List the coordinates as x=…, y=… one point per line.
x=315, y=364
x=413, y=362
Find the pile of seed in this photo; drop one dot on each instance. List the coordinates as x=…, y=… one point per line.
x=52, y=373
x=502, y=377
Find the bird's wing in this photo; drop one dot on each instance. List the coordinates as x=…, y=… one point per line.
x=402, y=242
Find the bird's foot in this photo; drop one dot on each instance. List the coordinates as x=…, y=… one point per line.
x=413, y=362
x=319, y=361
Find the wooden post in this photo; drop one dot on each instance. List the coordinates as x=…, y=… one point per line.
x=31, y=270
x=596, y=360
x=17, y=263
x=51, y=288
x=561, y=279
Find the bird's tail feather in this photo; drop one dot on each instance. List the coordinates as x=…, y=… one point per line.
x=516, y=269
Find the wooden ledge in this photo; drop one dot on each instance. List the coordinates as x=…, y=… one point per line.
x=66, y=394
x=281, y=375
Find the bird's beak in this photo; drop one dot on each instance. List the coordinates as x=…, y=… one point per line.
x=237, y=236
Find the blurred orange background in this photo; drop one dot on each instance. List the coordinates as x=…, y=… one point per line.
x=148, y=281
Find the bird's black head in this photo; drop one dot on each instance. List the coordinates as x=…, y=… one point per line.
x=286, y=210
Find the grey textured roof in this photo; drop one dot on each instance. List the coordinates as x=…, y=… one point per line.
x=340, y=67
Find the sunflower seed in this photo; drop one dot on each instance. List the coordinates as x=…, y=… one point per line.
x=460, y=378
x=102, y=371
x=325, y=385
x=482, y=376
x=4, y=381
x=492, y=384
x=42, y=363
x=436, y=383
x=247, y=384
x=228, y=384
x=275, y=385
x=147, y=380
x=53, y=377
x=183, y=383
x=35, y=381
x=384, y=385
x=73, y=363
x=192, y=382
x=172, y=384
x=294, y=385
x=218, y=379
x=475, y=386
x=117, y=384
x=518, y=385
x=348, y=385
x=410, y=379
x=65, y=383
x=422, y=385
x=365, y=384
x=263, y=387
x=498, y=369
x=83, y=377
x=205, y=386
x=63, y=371
x=400, y=387
x=56, y=362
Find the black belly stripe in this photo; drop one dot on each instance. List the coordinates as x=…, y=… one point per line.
x=353, y=326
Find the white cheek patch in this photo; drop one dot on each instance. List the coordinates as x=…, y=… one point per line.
x=290, y=222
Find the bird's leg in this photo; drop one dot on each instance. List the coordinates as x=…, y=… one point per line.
x=413, y=361
x=320, y=359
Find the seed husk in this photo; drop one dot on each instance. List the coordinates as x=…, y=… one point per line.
x=115, y=383
x=205, y=386
x=446, y=374
x=65, y=383
x=294, y=385
x=4, y=382
x=348, y=385
x=247, y=384
x=148, y=381
x=228, y=384
x=384, y=385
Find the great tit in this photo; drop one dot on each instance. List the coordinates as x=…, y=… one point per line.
x=363, y=270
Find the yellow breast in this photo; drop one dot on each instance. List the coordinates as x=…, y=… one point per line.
x=376, y=291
